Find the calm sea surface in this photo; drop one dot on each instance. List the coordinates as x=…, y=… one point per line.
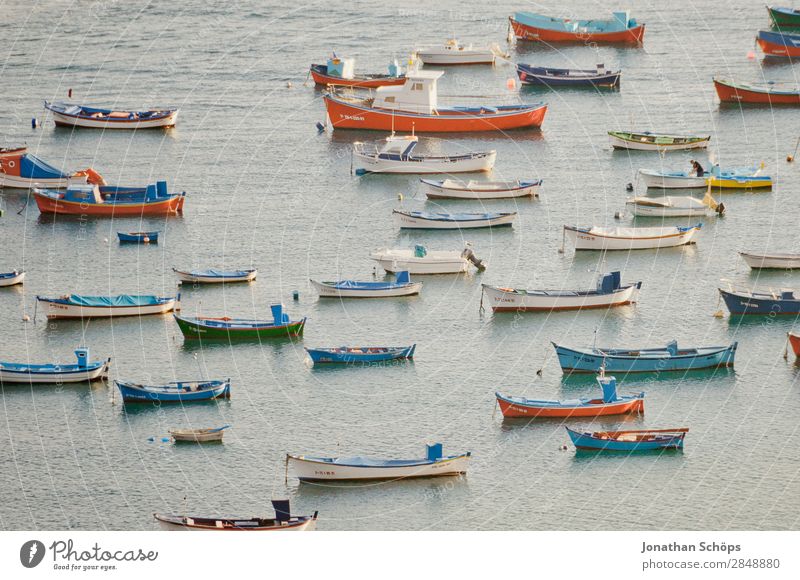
x=265, y=190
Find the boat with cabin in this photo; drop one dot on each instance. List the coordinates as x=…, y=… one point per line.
x=459, y=189
x=620, y=29
x=74, y=115
x=22, y=170
x=85, y=370
x=110, y=201
x=341, y=71
x=82, y=306
x=552, y=77
x=616, y=238
x=225, y=328
x=647, y=141
x=426, y=220
x=628, y=441
x=360, y=354
x=420, y=260
x=396, y=155
x=401, y=286
x=175, y=392
x=283, y=521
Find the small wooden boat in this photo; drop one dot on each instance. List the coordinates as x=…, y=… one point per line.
x=11, y=278
x=656, y=141
x=620, y=29
x=422, y=261
x=206, y=328
x=110, y=201
x=341, y=71
x=414, y=107
x=599, y=238
x=794, y=341
x=779, y=44
x=628, y=441
x=282, y=522
x=568, y=77
x=138, y=237
x=402, y=286
x=198, y=435
x=453, y=52
x=783, y=302
x=214, y=276
x=308, y=468
x=672, y=179
x=671, y=206
x=396, y=156
x=748, y=178
x=769, y=93
x=610, y=292
x=451, y=221
x=81, y=306
x=784, y=17
x=175, y=392
x=644, y=360
x=458, y=189
x=72, y=115
x=360, y=354
x=771, y=261
x=20, y=169
x=83, y=371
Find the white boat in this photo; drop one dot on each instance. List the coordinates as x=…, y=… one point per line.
x=308, y=468
x=453, y=52
x=395, y=156
x=671, y=179
x=72, y=115
x=458, y=189
x=198, y=435
x=420, y=260
x=671, y=206
x=283, y=521
x=773, y=261
x=52, y=373
x=451, y=221
x=214, y=276
x=11, y=278
x=609, y=292
x=648, y=141
x=402, y=286
x=22, y=170
x=599, y=238
x=79, y=306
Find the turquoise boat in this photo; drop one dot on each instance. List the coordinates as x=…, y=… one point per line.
x=628, y=441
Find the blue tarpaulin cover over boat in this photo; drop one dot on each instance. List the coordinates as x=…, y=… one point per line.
x=32, y=167
x=121, y=300
x=213, y=273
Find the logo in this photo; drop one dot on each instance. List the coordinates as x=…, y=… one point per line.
x=31, y=553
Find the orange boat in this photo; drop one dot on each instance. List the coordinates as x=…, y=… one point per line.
x=794, y=340
x=621, y=29
x=340, y=71
x=109, y=201
x=769, y=93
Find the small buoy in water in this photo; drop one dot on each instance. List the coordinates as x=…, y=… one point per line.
x=165, y=439
x=289, y=85
x=320, y=127
x=26, y=318
x=539, y=373
x=618, y=215
x=629, y=187
x=751, y=55
x=400, y=196
x=295, y=295
x=511, y=84
x=33, y=123
x=564, y=448
x=69, y=93
x=789, y=158
x=105, y=240
x=718, y=314
x=146, y=240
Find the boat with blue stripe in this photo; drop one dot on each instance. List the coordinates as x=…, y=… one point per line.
x=138, y=237
x=82, y=371
x=568, y=77
x=783, y=302
x=360, y=354
x=175, y=392
x=11, y=278
x=628, y=441
x=215, y=276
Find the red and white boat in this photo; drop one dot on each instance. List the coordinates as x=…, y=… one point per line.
x=768, y=93
x=340, y=71
x=414, y=107
x=22, y=170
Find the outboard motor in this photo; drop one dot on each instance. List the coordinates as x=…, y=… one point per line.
x=470, y=255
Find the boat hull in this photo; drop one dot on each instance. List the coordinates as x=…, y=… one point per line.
x=766, y=261
x=62, y=120
x=186, y=437
x=619, y=143
x=784, y=17
x=535, y=34
x=541, y=76
x=308, y=524
x=582, y=361
x=434, y=191
x=655, y=180
x=327, y=291
x=730, y=93
x=779, y=45
x=309, y=470
x=455, y=265
x=740, y=304
x=138, y=238
x=364, y=163
x=17, y=182
x=94, y=372
x=48, y=205
x=194, y=329
x=456, y=57
x=13, y=280
x=743, y=182
x=514, y=409
x=132, y=394
x=329, y=356
x=58, y=310
x=644, y=210
x=407, y=221
x=507, y=300
x=590, y=442
x=584, y=240
x=197, y=279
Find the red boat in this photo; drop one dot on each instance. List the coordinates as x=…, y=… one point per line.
x=414, y=108
x=108, y=201
x=770, y=93
x=537, y=28
x=779, y=44
x=794, y=340
x=321, y=76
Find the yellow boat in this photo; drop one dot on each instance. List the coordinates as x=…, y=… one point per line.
x=739, y=179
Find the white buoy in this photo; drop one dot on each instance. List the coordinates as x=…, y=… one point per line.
x=26, y=318
x=105, y=240
x=289, y=85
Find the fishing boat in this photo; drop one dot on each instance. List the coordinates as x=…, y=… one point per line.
x=779, y=44
x=453, y=52
x=644, y=360
x=82, y=371
x=72, y=115
x=415, y=107
x=198, y=435
x=769, y=302
x=794, y=341
x=787, y=17
x=138, y=237
x=609, y=404
x=240, y=328
x=395, y=155
x=610, y=292
x=656, y=141
x=420, y=260
x=458, y=189
x=771, y=261
x=282, y=522
x=744, y=178
x=671, y=206
x=600, y=238
x=568, y=77
x=451, y=221
x=110, y=201
x=360, y=354
x=22, y=170
x=214, y=276
x=11, y=278
x=770, y=93
x=672, y=179
x=402, y=286
x=81, y=306
x=175, y=392
x=308, y=468
x=341, y=71
x=620, y=29
x=628, y=441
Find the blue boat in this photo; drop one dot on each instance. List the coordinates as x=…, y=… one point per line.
x=779, y=44
x=764, y=303
x=402, y=286
x=175, y=392
x=645, y=360
x=138, y=237
x=627, y=441
x=360, y=354
x=82, y=371
x=620, y=29
x=560, y=77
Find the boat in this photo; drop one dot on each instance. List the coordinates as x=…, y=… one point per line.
x=647, y=141
x=600, y=238
x=72, y=115
x=761, y=302
x=644, y=360
x=207, y=328
x=568, y=77
x=453, y=52
x=81, y=306
x=11, y=278
x=420, y=260
x=110, y=201
x=395, y=155
x=402, y=286
x=779, y=44
x=771, y=261
x=620, y=29
x=22, y=170
x=745, y=178
x=627, y=441
x=786, y=17
x=610, y=292
x=415, y=107
x=138, y=237
x=770, y=93
x=671, y=206
x=82, y=371
x=308, y=468
x=282, y=522
x=609, y=404
x=451, y=221
x=458, y=189
x=214, y=276
x=175, y=392
x=672, y=179
x=341, y=71
x=360, y=354
x=198, y=435
x=794, y=341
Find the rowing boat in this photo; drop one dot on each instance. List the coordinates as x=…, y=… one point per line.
x=224, y=328
x=82, y=306
x=769, y=302
x=215, y=276
x=600, y=238
x=459, y=189
x=82, y=371
x=72, y=115
x=779, y=44
x=282, y=522
x=340, y=71
x=198, y=435
x=396, y=155
x=11, y=278
x=784, y=17
x=620, y=29
x=110, y=201
x=647, y=141
x=401, y=286
x=420, y=260
x=671, y=206
x=568, y=77
x=454, y=53
x=360, y=354
x=451, y=221
x=771, y=261
x=672, y=179
x=22, y=170
x=769, y=93
x=628, y=441
x=138, y=237
x=174, y=392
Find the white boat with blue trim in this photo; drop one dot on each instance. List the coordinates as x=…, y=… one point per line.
x=402, y=286
x=12, y=278
x=395, y=155
x=420, y=260
x=82, y=371
x=601, y=238
x=215, y=276
x=81, y=306
x=426, y=220
x=459, y=189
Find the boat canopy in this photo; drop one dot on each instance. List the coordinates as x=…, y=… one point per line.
x=114, y=301
x=32, y=167
x=610, y=282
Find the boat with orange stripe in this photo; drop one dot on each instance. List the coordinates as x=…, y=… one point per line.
x=110, y=201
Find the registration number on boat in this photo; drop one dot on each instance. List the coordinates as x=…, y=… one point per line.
x=351, y=117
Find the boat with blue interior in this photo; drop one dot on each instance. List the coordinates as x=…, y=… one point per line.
x=216, y=276
x=628, y=441
x=83, y=371
x=225, y=328
x=175, y=392
x=401, y=286
x=110, y=201
x=138, y=237
x=360, y=354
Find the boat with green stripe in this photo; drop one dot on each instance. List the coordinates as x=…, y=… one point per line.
x=786, y=17
x=208, y=328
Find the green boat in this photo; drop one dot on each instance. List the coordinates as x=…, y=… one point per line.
x=648, y=141
x=239, y=328
x=786, y=17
